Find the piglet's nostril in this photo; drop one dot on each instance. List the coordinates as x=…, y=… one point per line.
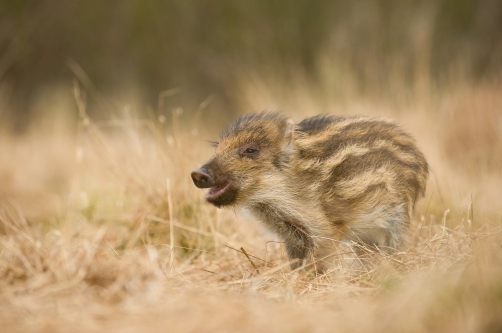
x=201, y=178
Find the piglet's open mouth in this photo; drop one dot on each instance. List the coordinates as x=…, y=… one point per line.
x=217, y=191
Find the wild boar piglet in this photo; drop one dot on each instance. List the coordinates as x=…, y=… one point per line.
x=319, y=182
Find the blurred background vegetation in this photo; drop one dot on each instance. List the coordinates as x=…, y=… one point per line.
x=130, y=50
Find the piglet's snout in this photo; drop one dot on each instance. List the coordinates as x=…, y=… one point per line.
x=202, y=178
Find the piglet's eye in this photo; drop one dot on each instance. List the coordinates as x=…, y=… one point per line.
x=250, y=150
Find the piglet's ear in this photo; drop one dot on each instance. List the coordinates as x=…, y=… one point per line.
x=288, y=134
x=290, y=129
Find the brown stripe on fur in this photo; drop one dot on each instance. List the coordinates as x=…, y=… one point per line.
x=361, y=132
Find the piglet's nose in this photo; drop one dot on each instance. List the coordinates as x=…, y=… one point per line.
x=202, y=179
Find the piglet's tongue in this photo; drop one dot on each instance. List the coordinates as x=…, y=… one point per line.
x=218, y=188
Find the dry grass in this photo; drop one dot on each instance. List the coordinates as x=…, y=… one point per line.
x=103, y=231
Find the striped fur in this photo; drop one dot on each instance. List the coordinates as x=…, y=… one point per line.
x=324, y=180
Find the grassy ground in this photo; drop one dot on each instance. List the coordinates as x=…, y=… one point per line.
x=101, y=230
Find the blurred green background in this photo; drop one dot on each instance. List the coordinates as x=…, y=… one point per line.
x=126, y=48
